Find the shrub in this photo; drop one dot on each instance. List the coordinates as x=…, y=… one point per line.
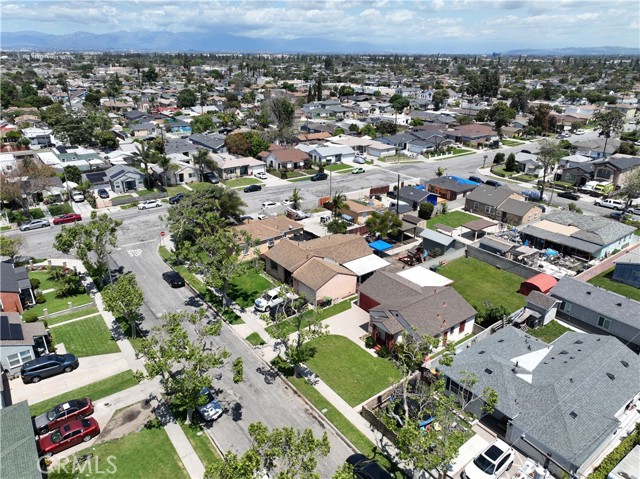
x=282, y=366
x=238, y=370
x=613, y=459
x=499, y=158
x=383, y=352
x=35, y=283
x=29, y=316
x=60, y=209
x=70, y=285
x=369, y=342
x=40, y=298
x=284, y=174
x=425, y=211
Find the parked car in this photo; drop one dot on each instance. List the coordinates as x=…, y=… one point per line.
x=610, y=203
x=619, y=215
x=569, y=195
x=490, y=463
x=365, y=468
x=269, y=204
x=359, y=160
x=271, y=298
x=319, y=177
x=46, y=366
x=287, y=202
x=145, y=205
x=211, y=178
x=392, y=194
x=476, y=179
x=62, y=414
x=534, y=195
x=69, y=435
x=635, y=210
x=580, y=132
x=261, y=175
x=174, y=200
x=68, y=218
x=77, y=196
x=34, y=225
x=252, y=188
x=493, y=183
x=356, y=171
x=173, y=279
x=297, y=214
x=211, y=409
x=104, y=194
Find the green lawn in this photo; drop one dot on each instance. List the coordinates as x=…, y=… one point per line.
x=337, y=167
x=201, y=443
x=341, y=423
x=453, y=219
x=45, y=280
x=200, y=186
x=123, y=197
x=462, y=152
x=138, y=455
x=97, y=390
x=478, y=282
x=322, y=315
x=79, y=313
x=605, y=281
x=255, y=339
x=297, y=180
x=54, y=304
x=512, y=142
x=349, y=370
x=549, y=332
x=147, y=192
x=246, y=288
x=174, y=190
x=86, y=337
x=501, y=171
x=239, y=182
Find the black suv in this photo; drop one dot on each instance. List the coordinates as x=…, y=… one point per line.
x=173, y=278
x=365, y=468
x=319, y=177
x=46, y=366
x=174, y=200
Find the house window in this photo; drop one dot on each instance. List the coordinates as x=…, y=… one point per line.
x=20, y=358
x=476, y=205
x=604, y=323
x=461, y=328
x=488, y=209
x=603, y=173
x=273, y=265
x=192, y=175
x=566, y=307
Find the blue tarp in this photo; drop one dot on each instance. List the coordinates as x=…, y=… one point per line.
x=463, y=181
x=380, y=245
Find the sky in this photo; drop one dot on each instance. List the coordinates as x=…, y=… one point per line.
x=454, y=26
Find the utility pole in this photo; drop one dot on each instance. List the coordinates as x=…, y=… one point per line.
x=398, y=197
x=330, y=176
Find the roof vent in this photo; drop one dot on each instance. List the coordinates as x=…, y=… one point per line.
x=481, y=352
x=572, y=357
x=611, y=376
x=589, y=293
x=625, y=364
x=570, y=380
x=529, y=347
x=563, y=352
x=573, y=414
x=501, y=340
x=618, y=304
x=578, y=342
x=488, y=371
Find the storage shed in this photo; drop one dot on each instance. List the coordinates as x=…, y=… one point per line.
x=542, y=282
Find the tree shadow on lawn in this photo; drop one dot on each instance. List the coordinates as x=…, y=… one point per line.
x=240, y=296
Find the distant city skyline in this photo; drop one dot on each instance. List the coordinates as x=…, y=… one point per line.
x=453, y=26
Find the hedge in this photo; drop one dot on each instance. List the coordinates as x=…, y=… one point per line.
x=60, y=209
x=19, y=216
x=617, y=455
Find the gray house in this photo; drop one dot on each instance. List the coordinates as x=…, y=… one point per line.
x=561, y=404
x=628, y=269
x=20, y=342
x=124, y=178
x=599, y=310
x=18, y=454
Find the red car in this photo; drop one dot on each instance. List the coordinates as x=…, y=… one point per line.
x=62, y=414
x=69, y=435
x=70, y=218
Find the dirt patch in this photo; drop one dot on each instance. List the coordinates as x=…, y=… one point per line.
x=126, y=420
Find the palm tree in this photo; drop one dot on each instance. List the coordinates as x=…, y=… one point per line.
x=296, y=198
x=439, y=171
x=165, y=163
x=147, y=155
x=230, y=204
x=338, y=204
x=202, y=160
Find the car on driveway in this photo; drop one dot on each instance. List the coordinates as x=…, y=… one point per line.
x=62, y=414
x=69, y=218
x=490, y=463
x=271, y=298
x=359, y=160
x=252, y=188
x=69, y=435
x=104, y=194
x=261, y=175
x=173, y=279
x=145, y=205
x=77, y=196
x=319, y=177
x=357, y=171
x=211, y=178
x=46, y=366
x=365, y=468
x=619, y=215
x=569, y=195
x=174, y=200
x=210, y=410
x=269, y=204
x=34, y=225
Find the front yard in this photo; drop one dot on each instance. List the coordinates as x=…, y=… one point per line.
x=323, y=314
x=85, y=337
x=52, y=300
x=479, y=282
x=453, y=219
x=549, y=332
x=350, y=371
x=605, y=281
x=337, y=167
x=244, y=181
x=246, y=288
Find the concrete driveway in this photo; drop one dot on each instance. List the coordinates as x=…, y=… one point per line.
x=352, y=324
x=91, y=369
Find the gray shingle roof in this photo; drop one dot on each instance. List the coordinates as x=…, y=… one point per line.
x=567, y=400
x=594, y=229
x=516, y=207
x=18, y=453
x=490, y=195
x=8, y=279
x=178, y=145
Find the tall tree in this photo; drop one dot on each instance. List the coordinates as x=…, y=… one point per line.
x=124, y=299
x=282, y=111
x=147, y=155
x=630, y=190
x=203, y=160
x=296, y=198
x=501, y=115
x=186, y=98
x=167, y=166
x=609, y=123
x=440, y=98
x=549, y=155
x=90, y=242
x=10, y=246
x=384, y=223
x=338, y=204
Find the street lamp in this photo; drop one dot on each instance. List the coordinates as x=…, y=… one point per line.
x=484, y=160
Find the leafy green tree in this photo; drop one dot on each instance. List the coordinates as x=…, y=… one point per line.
x=399, y=105
x=203, y=160
x=609, y=123
x=124, y=299
x=53, y=114
x=202, y=123
x=91, y=242
x=543, y=121
x=283, y=453
x=282, y=111
x=338, y=204
x=150, y=75
x=386, y=128
x=498, y=158
x=186, y=98
x=167, y=166
x=75, y=129
x=501, y=115
x=416, y=122
x=520, y=101
x=337, y=226
x=425, y=210
x=107, y=139
x=72, y=173
x=439, y=99
x=511, y=163
x=248, y=143
x=384, y=223
x=92, y=99
x=296, y=198
x=147, y=155
x=630, y=190
x=10, y=246
x=368, y=130
x=549, y=155
x=464, y=119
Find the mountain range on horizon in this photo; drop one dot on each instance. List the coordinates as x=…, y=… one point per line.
x=189, y=42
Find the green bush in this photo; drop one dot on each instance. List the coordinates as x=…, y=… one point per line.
x=369, y=342
x=29, y=316
x=20, y=216
x=383, y=352
x=425, y=211
x=35, y=283
x=40, y=298
x=613, y=459
x=60, y=209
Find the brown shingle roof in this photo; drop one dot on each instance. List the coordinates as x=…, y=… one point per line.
x=316, y=272
x=290, y=155
x=357, y=207
x=288, y=255
x=339, y=247
x=384, y=286
x=269, y=228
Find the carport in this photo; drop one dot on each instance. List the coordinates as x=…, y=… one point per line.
x=478, y=225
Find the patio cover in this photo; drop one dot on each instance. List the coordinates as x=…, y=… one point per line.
x=478, y=225
x=424, y=277
x=380, y=245
x=366, y=264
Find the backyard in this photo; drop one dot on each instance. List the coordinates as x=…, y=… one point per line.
x=605, y=281
x=452, y=219
x=549, y=332
x=349, y=370
x=85, y=337
x=479, y=282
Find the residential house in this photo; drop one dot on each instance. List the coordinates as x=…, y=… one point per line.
x=179, y=146
x=15, y=288
x=414, y=196
x=599, y=310
x=449, y=187
x=135, y=115
x=473, y=133
x=397, y=305
x=577, y=174
x=143, y=130
x=562, y=404
x=214, y=143
x=502, y=204
x=19, y=456
x=575, y=234
x=314, y=137
x=8, y=163
x=325, y=155
x=123, y=178
x=21, y=342
x=38, y=137
x=594, y=148
x=356, y=212
x=627, y=269
x=616, y=169
x=182, y=173
x=84, y=158
x=269, y=232
x=528, y=163
x=284, y=158
x=230, y=167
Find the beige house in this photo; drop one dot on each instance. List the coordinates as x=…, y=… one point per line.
x=269, y=232
x=357, y=211
x=320, y=278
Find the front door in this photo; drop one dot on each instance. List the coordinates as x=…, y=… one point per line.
x=129, y=185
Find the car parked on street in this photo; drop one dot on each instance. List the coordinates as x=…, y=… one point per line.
x=534, y=195
x=476, y=179
x=211, y=409
x=174, y=200
x=269, y=204
x=145, y=205
x=619, y=215
x=569, y=195
x=261, y=175
x=173, y=279
x=252, y=188
x=62, y=414
x=68, y=218
x=104, y=194
x=610, y=203
x=34, y=225
x=46, y=366
x=493, y=183
x=490, y=463
x=357, y=171
x=365, y=468
x=69, y=435
x=319, y=177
